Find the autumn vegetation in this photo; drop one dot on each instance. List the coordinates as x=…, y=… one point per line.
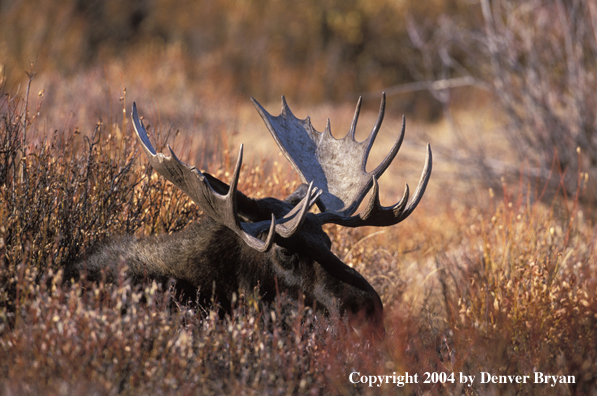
x=494, y=272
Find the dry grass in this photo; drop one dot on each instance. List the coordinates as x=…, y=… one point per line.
x=505, y=286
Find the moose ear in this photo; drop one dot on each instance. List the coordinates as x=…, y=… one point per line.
x=253, y=210
x=248, y=208
x=299, y=194
x=219, y=186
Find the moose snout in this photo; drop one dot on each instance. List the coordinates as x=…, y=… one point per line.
x=365, y=314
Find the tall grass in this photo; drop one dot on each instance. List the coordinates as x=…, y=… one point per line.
x=506, y=287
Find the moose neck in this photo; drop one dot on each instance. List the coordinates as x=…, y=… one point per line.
x=217, y=263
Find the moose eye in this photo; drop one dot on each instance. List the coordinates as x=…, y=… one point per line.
x=288, y=258
x=286, y=253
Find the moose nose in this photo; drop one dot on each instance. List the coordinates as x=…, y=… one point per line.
x=365, y=315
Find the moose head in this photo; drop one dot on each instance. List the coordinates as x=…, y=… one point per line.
x=270, y=244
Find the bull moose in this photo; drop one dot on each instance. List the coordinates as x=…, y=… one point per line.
x=273, y=245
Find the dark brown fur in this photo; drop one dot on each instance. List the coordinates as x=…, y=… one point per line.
x=207, y=254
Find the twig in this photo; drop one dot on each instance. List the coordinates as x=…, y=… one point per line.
x=437, y=85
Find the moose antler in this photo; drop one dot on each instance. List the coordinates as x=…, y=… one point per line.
x=222, y=208
x=337, y=166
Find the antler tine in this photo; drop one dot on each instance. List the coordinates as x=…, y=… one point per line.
x=381, y=168
x=221, y=208
x=423, y=181
x=355, y=119
x=297, y=215
x=371, y=138
x=381, y=216
x=230, y=214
